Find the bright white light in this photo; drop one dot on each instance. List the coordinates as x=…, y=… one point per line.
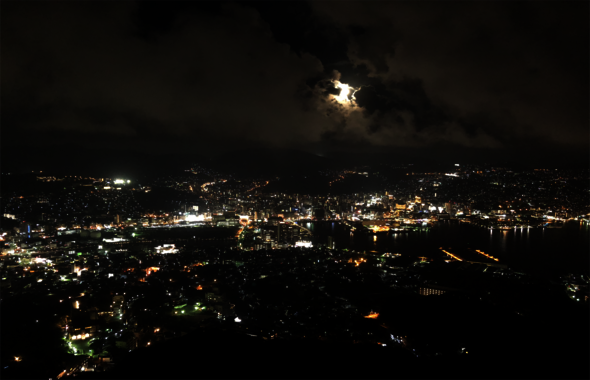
x=346, y=95
x=344, y=91
x=237, y=320
x=119, y=181
x=195, y=218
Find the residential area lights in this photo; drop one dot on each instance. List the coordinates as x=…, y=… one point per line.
x=253, y=242
x=357, y=262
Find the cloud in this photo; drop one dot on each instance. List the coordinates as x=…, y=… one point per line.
x=393, y=120
x=216, y=79
x=217, y=76
x=520, y=66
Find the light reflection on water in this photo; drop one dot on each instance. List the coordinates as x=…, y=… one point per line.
x=566, y=247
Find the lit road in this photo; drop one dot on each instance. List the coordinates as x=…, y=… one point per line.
x=204, y=186
x=257, y=186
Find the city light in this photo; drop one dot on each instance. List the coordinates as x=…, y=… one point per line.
x=453, y=256
x=263, y=239
x=486, y=255
x=379, y=228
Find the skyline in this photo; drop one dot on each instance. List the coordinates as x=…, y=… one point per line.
x=107, y=274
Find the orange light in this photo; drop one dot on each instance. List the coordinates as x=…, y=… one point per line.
x=486, y=255
x=372, y=316
x=379, y=228
x=357, y=262
x=453, y=256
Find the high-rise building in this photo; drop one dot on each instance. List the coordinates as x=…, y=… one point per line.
x=448, y=207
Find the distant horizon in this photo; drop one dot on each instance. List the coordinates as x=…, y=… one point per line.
x=103, y=162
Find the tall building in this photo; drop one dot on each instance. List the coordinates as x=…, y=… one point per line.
x=448, y=207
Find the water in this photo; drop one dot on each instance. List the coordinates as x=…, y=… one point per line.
x=564, y=249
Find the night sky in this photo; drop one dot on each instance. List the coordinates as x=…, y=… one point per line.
x=479, y=81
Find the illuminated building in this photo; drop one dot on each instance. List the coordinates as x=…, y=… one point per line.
x=431, y=291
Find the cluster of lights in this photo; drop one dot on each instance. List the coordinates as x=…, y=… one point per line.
x=379, y=228
x=428, y=291
x=80, y=336
x=357, y=262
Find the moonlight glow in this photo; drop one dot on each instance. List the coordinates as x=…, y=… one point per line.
x=346, y=95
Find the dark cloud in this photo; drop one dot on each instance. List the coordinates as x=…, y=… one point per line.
x=214, y=77
x=521, y=66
